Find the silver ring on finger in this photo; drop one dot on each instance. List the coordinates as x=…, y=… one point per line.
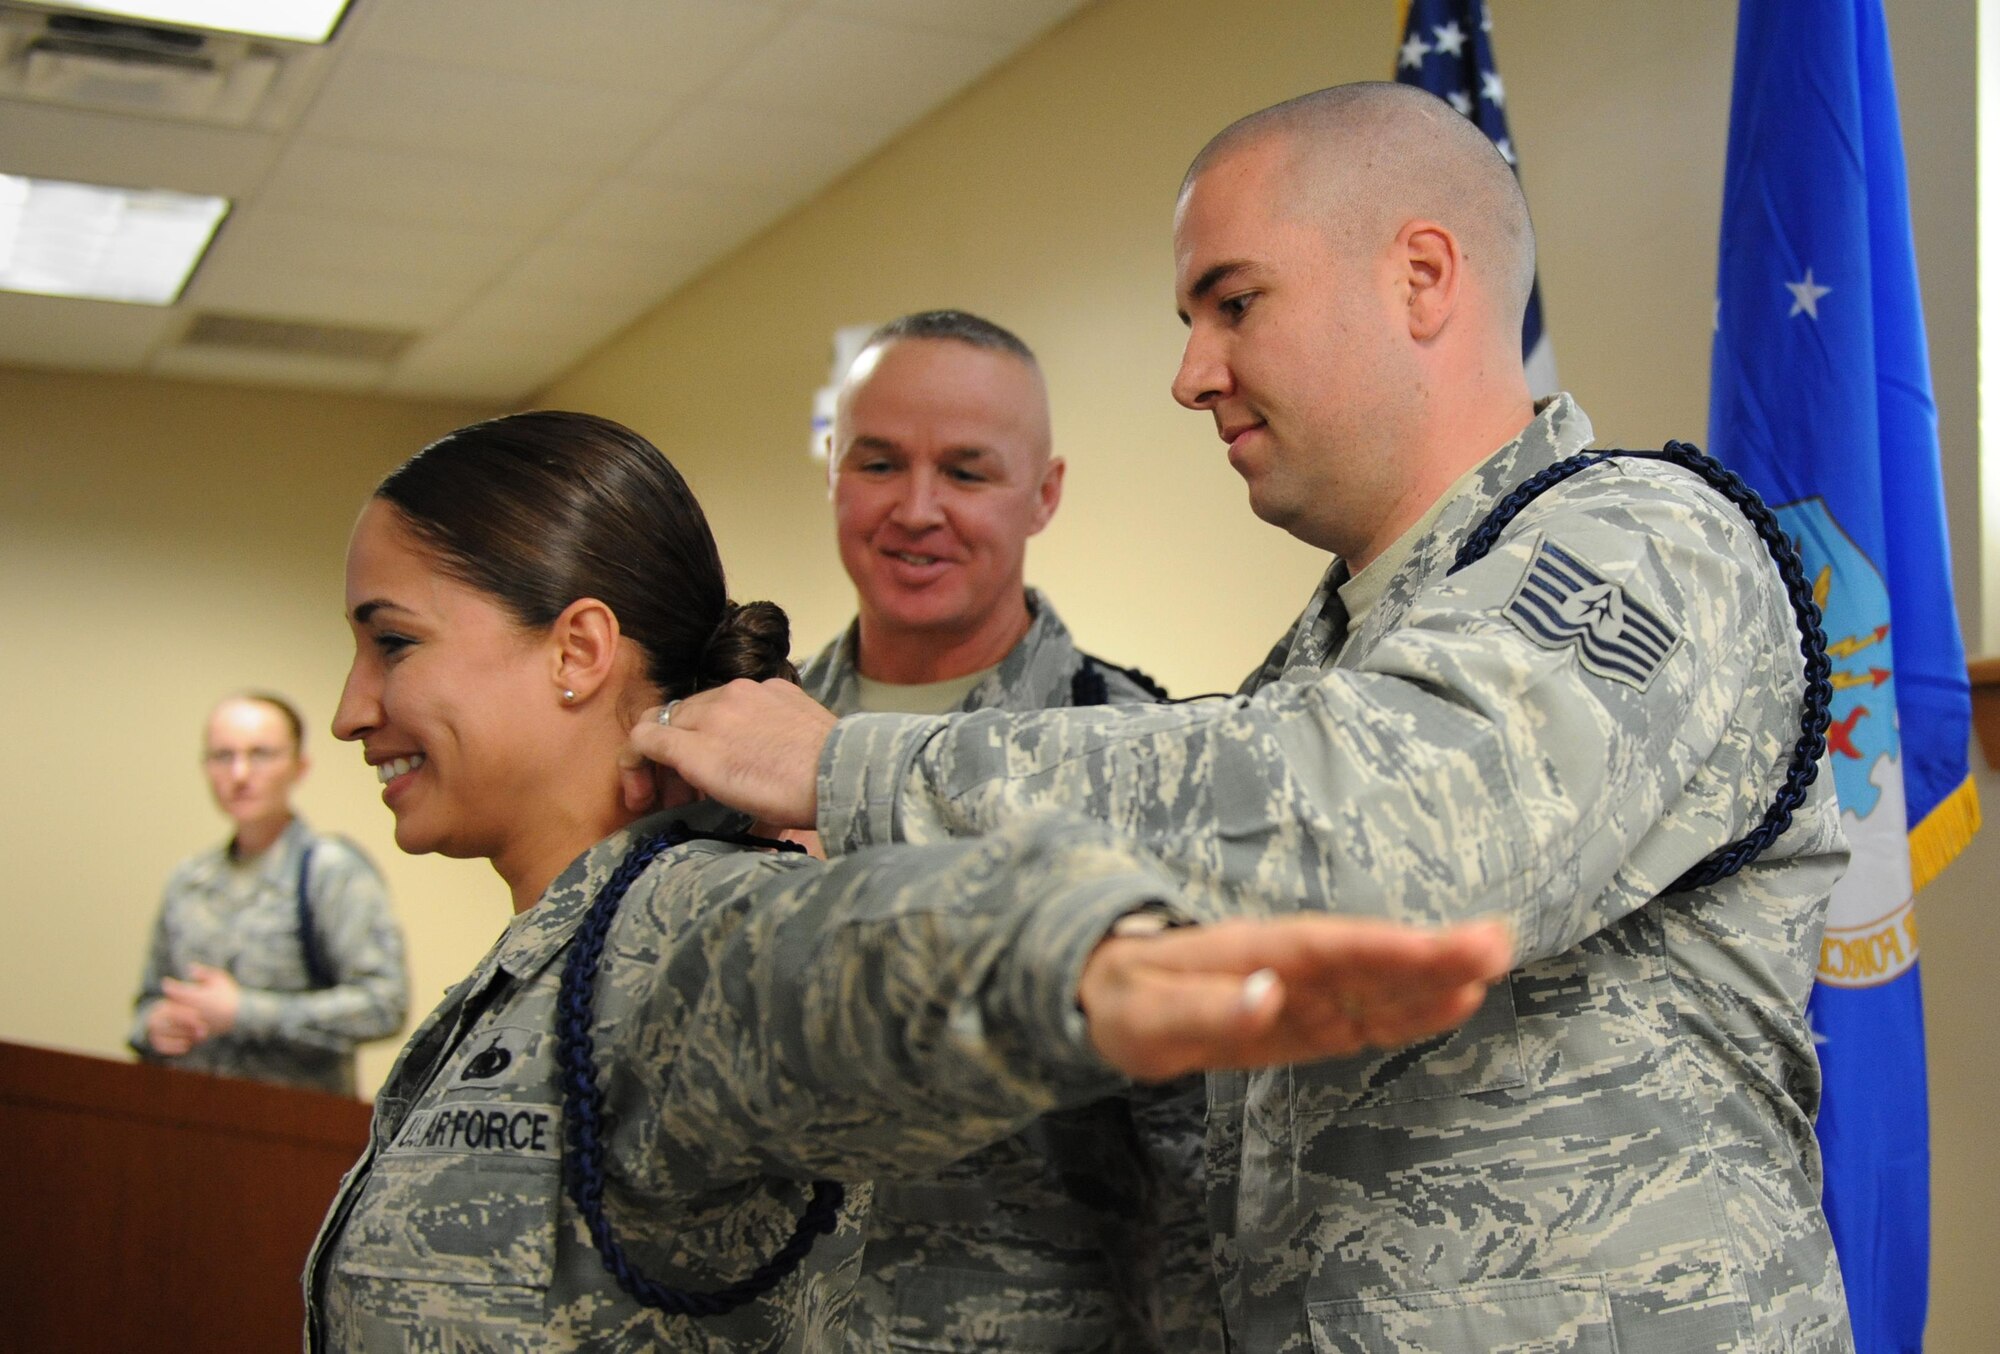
x=666, y=715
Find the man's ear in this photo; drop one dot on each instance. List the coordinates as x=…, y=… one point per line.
x=1431, y=271
x=585, y=639
x=1048, y=494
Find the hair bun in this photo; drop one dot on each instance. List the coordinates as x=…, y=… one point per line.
x=753, y=640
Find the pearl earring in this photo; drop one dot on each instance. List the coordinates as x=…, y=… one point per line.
x=568, y=695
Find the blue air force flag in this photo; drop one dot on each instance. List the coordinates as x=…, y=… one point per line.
x=1821, y=399
x=1448, y=50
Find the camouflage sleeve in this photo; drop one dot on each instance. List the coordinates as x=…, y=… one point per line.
x=1470, y=764
x=364, y=949
x=898, y=1009
x=159, y=961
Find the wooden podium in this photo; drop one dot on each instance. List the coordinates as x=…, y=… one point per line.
x=148, y=1209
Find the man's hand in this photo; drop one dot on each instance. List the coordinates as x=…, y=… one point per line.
x=1292, y=989
x=172, y=1028
x=210, y=994
x=753, y=745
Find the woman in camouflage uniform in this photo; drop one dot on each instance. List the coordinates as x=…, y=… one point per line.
x=611, y=1136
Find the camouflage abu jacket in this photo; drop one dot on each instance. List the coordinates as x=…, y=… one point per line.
x=1617, y=1151
x=1039, y=673
x=763, y=1020
x=287, y=1030
x=1087, y=1231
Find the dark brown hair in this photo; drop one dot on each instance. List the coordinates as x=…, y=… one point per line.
x=538, y=510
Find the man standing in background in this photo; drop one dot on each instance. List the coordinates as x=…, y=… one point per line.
x=941, y=469
x=275, y=953
x=1087, y=1231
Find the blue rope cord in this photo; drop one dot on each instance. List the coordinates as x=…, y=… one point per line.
x=584, y=1110
x=318, y=974
x=1804, y=766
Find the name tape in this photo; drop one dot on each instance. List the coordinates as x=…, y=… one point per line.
x=484, y=1126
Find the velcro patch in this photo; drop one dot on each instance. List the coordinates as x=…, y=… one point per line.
x=1562, y=601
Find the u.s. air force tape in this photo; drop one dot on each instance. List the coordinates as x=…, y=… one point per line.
x=500, y=1127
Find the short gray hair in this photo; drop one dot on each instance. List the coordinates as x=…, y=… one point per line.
x=959, y=326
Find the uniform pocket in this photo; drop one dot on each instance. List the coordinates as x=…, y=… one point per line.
x=459, y=1219
x=1522, y=1316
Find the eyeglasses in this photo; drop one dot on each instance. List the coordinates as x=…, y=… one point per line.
x=222, y=759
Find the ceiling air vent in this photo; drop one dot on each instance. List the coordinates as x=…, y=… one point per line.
x=296, y=338
x=115, y=66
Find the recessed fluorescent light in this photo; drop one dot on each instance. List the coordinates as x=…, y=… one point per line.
x=105, y=244
x=291, y=20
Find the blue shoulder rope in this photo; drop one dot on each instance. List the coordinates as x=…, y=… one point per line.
x=1088, y=687
x=318, y=975
x=584, y=1112
x=1804, y=768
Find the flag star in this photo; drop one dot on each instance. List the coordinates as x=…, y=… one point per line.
x=1715, y=316
x=1491, y=89
x=1805, y=295
x=1450, y=38
x=1413, y=52
x=1485, y=19
x=1461, y=101
x=1505, y=147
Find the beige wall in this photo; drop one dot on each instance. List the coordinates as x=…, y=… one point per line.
x=1042, y=199
x=160, y=541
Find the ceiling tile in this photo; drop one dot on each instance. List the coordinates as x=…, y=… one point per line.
x=51, y=331
x=515, y=180
x=269, y=240
x=287, y=369
x=480, y=115
x=503, y=365
x=1008, y=20
x=670, y=47
x=419, y=189
x=872, y=73
x=756, y=148
x=575, y=281
x=674, y=213
x=366, y=299
x=515, y=339
x=124, y=152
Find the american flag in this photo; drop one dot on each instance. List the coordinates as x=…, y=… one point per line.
x=1448, y=50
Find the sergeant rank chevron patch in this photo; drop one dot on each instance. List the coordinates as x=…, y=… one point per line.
x=1563, y=601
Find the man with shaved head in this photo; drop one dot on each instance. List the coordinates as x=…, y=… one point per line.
x=1087, y=1231
x=1371, y=238
x=1561, y=688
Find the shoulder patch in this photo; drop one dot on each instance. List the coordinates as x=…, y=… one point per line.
x=1561, y=601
